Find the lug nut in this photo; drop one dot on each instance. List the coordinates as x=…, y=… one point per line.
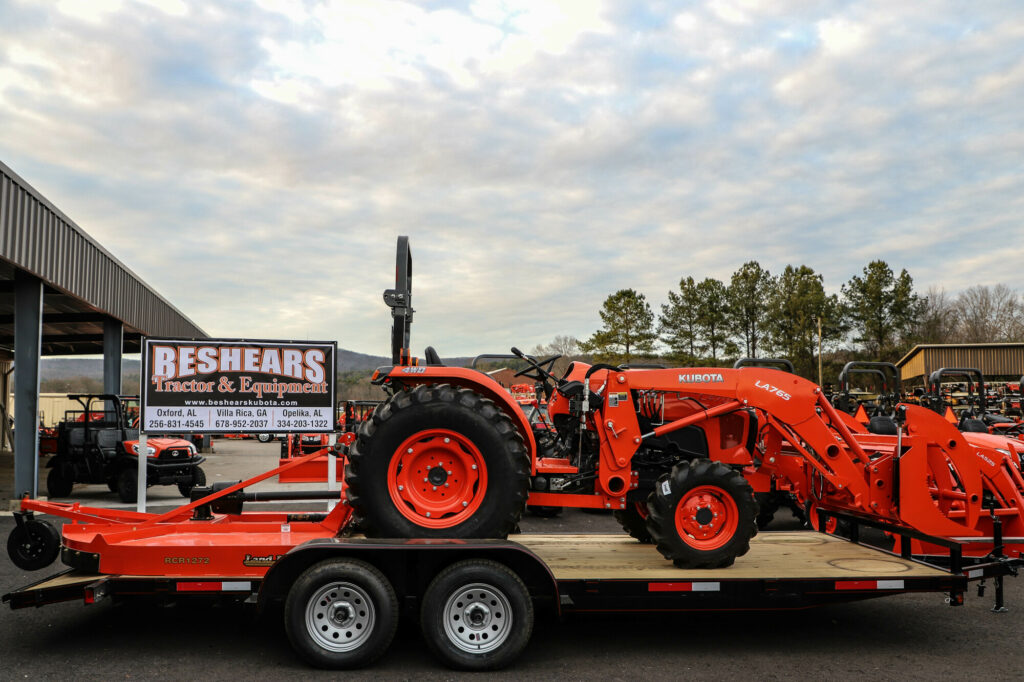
x=435, y=487
x=401, y=488
x=465, y=504
x=428, y=515
x=409, y=451
x=447, y=440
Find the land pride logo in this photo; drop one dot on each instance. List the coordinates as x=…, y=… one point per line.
x=709, y=378
x=260, y=559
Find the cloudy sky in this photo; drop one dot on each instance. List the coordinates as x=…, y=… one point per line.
x=254, y=161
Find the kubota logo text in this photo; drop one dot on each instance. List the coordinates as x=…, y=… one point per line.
x=711, y=378
x=772, y=389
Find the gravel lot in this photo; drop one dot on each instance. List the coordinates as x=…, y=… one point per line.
x=906, y=636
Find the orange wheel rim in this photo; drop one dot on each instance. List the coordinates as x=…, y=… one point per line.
x=437, y=478
x=707, y=517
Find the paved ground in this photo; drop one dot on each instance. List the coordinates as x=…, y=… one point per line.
x=908, y=637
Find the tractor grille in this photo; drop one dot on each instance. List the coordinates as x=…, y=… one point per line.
x=176, y=453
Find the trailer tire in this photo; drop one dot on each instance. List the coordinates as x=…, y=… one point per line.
x=264, y=437
x=198, y=480
x=633, y=520
x=33, y=544
x=438, y=462
x=128, y=485
x=57, y=484
x=702, y=514
x=341, y=614
x=477, y=615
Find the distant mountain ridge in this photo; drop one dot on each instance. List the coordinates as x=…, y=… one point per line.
x=66, y=368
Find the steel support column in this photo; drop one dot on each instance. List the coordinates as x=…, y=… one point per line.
x=28, y=334
x=113, y=343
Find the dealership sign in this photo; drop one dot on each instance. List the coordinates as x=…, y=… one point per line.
x=237, y=386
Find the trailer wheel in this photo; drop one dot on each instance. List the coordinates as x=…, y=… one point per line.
x=702, y=515
x=128, y=485
x=341, y=613
x=33, y=544
x=265, y=437
x=198, y=480
x=477, y=615
x=57, y=484
x=438, y=461
x=633, y=520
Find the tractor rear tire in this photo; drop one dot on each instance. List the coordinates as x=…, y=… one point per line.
x=702, y=515
x=438, y=462
x=198, y=480
x=57, y=484
x=128, y=485
x=341, y=614
x=633, y=520
x=33, y=544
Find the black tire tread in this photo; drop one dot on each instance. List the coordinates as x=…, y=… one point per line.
x=661, y=522
x=424, y=396
x=633, y=523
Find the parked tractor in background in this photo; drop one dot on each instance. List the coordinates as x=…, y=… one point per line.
x=99, y=444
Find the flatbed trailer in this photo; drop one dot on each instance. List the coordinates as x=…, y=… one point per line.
x=496, y=587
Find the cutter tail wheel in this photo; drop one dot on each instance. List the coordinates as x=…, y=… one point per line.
x=438, y=461
x=128, y=484
x=340, y=614
x=702, y=515
x=477, y=615
x=633, y=520
x=33, y=544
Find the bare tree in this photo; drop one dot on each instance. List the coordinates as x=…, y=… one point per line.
x=986, y=314
x=937, y=322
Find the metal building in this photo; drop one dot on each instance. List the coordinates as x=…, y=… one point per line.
x=61, y=293
x=995, y=360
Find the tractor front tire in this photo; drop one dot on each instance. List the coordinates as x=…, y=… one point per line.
x=702, y=515
x=128, y=485
x=198, y=480
x=633, y=520
x=57, y=484
x=438, y=462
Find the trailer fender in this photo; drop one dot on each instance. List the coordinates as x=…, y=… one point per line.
x=410, y=565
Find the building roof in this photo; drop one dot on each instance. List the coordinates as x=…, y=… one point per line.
x=83, y=283
x=993, y=359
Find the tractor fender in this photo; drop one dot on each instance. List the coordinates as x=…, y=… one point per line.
x=475, y=381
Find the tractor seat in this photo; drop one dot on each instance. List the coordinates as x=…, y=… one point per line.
x=973, y=426
x=883, y=425
x=431, y=357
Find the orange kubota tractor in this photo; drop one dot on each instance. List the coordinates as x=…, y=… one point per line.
x=678, y=453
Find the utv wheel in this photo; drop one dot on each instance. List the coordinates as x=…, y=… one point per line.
x=264, y=437
x=477, y=615
x=128, y=485
x=438, y=461
x=633, y=520
x=702, y=515
x=33, y=544
x=341, y=613
x=58, y=485
x=198, y=480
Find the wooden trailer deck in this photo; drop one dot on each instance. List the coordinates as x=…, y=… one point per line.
x=795, y=555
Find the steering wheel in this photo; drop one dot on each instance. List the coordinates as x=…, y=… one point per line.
x=540, y=371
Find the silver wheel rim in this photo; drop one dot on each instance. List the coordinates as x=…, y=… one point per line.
x=340, y=616
x=477, y=618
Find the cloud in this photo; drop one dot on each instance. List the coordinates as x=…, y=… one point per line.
x=254, y=162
